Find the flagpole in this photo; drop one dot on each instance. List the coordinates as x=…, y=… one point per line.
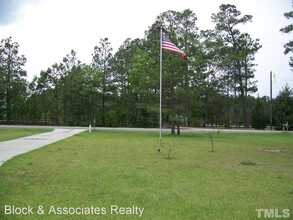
x=161, y=56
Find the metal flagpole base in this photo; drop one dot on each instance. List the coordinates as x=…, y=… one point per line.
x=160, y=149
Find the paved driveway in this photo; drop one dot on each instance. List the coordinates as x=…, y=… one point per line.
x=12, y=148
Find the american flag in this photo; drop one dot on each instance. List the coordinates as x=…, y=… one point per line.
x=169, y=46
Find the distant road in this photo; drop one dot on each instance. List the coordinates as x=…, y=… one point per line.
x=183, y=129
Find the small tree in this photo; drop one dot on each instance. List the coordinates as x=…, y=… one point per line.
x=211, y=138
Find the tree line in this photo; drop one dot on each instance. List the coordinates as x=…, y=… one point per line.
x=214, y=85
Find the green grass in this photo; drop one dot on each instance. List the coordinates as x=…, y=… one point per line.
x=13, y=133
x=123, y=168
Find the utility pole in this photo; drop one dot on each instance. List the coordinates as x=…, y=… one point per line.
x=271, y=102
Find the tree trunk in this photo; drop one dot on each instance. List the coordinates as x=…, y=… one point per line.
x=245, y=113
x=8, y=91
x=103, y=110
x=178, y=129
x=172, y=127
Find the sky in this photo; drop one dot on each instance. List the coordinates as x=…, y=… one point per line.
x=47, y=30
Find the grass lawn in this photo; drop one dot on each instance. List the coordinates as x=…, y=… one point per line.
x=104, y=169
x=13, y=133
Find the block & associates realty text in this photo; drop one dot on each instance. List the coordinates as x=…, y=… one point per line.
x=81, y=210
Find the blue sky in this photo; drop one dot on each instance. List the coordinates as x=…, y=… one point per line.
x=48, y=29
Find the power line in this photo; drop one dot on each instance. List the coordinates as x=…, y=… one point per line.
x=286, y=80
